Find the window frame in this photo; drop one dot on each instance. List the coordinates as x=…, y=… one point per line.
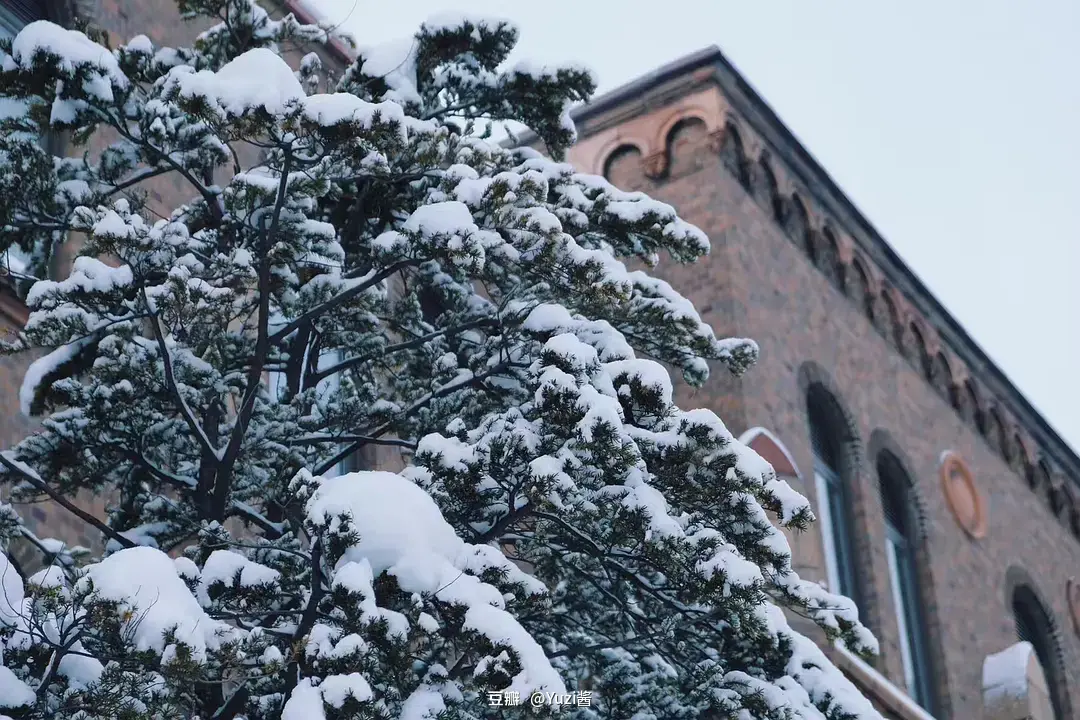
x=14, y=16
x=907, y=596
x=836, y=534
x=903, y=577
x=1028, y=609
x=276, y=382
x=827, y=441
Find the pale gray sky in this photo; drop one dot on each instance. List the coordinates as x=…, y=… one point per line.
x=952, y=125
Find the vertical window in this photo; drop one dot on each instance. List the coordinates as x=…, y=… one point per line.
x=14, y=14
x=332, y=384
x=277, y=387
x=833, y=508
x=900, y=539
x=1033, y=626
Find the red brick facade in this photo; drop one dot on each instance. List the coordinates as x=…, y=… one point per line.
x=122, y=19
x=795, y=267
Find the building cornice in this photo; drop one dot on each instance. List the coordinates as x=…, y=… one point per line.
x=709, y=67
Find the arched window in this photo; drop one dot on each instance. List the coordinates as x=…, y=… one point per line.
x=833, y=505
x=1033, y=625
x=900, y=539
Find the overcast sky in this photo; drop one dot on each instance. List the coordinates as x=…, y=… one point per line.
x=952, y=125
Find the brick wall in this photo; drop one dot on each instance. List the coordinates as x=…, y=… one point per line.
x=784, y=284
x=122, y=19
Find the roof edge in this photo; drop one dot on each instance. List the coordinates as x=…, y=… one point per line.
x=816, y=180
x=686, y=64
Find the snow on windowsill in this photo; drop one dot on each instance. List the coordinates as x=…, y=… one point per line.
x=880, y=686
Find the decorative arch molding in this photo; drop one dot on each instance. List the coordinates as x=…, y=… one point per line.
x=894, y=320
x=830, y=255
x=1018, y=580
x=768, y=446
x=624, y=168
x=713, y=119
x=1021, y=451
x=862, y=286
x=921, y=356
x=765, y=188
x=729, y=144
x=615, y=145
x=974, y=404
x=688, y=145
x=942, y=379
x=882, y=442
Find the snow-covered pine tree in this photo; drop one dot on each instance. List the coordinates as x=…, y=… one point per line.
x=409, y=284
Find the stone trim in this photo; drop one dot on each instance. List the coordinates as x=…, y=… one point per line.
x=876, y=685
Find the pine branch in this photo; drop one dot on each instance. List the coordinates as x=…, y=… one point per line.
x=234, y=705
x=137, y=178
x=361, y=440
x=341, y=298
x=447, y=389
x=211, y=198
x=307, y=620
x=174, y=388
x=35, y=480
x=503, y=523
x=273, y=530
x=262, y=348
x=402, y=346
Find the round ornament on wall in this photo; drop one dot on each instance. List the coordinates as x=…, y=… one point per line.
x=962, y=495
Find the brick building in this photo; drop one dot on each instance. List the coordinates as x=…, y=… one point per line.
x=159, y=20
x=949, y=508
